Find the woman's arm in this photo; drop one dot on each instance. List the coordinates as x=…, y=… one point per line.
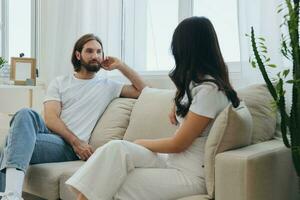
x=191, y=128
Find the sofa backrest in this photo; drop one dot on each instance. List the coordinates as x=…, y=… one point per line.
x=113, y=122
x=149, y=117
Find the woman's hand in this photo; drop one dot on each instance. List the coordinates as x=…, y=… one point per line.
x=172, y=116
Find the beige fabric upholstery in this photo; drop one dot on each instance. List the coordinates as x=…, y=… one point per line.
x=43, y=179
x=64, y=190
x=4, y=127
x=261, y=171
x=113, y=123
x=231, y=129
x=196, y=197
x=256, y=172
x=259, y=102
x=149, y=117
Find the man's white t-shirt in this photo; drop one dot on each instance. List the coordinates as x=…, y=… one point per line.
x=83, y=101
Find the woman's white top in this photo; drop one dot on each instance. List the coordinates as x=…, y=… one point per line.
x=208, y=101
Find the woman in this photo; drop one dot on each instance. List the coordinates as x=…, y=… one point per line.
x=172, y=167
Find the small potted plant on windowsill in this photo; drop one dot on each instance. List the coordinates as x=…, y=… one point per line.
x=290, y=49
x=2, y=62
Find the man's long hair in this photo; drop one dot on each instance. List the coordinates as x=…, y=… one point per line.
x=79, y=46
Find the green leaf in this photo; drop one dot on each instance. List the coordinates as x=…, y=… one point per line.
x=278, y=74
x=271, y=65
x=285, y=73
x=292, y=81
x=253, y=64
x=262, y=39
x=2, y=62
x=263, y=47
x=268, y=59
x=247, y=35
x=264, y=51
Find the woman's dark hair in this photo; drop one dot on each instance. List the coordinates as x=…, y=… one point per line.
x=79, y=46
x=197, y=53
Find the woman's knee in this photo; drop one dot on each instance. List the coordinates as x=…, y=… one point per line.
x=113, y=146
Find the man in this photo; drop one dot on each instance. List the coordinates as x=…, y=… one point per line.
x=72, y=106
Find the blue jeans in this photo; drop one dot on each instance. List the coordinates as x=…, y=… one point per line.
x=30, y=142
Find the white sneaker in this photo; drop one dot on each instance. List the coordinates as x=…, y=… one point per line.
x=10, y=196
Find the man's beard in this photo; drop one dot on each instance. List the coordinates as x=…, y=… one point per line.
x=91, y=66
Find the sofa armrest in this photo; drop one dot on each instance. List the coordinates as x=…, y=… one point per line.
x=261, y=171
x=4, y=127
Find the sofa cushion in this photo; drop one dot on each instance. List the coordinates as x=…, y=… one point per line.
x=113, y=123
x=64, y=190
x=259, y=102
x=231, y=129
x=43, y=179
x=196, y=197
x=149, y=118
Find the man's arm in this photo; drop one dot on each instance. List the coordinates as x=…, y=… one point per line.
x=131, y=91
x=54, y=123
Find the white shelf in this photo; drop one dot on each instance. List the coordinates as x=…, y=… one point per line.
x=3, y=86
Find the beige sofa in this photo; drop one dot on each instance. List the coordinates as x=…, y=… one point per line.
x=259, y=170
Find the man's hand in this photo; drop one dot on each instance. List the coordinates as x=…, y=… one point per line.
x=82, y=149
x=172, y=116
x=110, y=63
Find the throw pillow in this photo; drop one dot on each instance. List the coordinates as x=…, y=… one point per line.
x=113, y=123
x=231, y=129
x=259, y=102
x=149, y=118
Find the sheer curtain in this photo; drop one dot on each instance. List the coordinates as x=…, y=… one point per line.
x=62, y=22
x=263, y=16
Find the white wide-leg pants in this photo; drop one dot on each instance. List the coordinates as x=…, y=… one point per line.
x=126, y=171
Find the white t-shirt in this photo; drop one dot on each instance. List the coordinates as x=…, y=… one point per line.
x=83, y=101
x=207, y=101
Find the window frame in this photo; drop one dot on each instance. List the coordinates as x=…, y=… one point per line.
x=4, y=29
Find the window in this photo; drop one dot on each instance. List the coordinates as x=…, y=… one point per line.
x=18, y=28
x=148, y=27
x=224, y=16
x=1, y=28
x=160, y=27
x=148, y=33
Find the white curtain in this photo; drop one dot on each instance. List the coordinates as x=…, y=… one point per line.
x=62, y=22
x=263, y=16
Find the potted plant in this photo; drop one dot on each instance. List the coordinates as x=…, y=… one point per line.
x=2, y=62
x=290, y=122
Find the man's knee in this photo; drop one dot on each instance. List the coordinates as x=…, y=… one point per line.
x=24, y=113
